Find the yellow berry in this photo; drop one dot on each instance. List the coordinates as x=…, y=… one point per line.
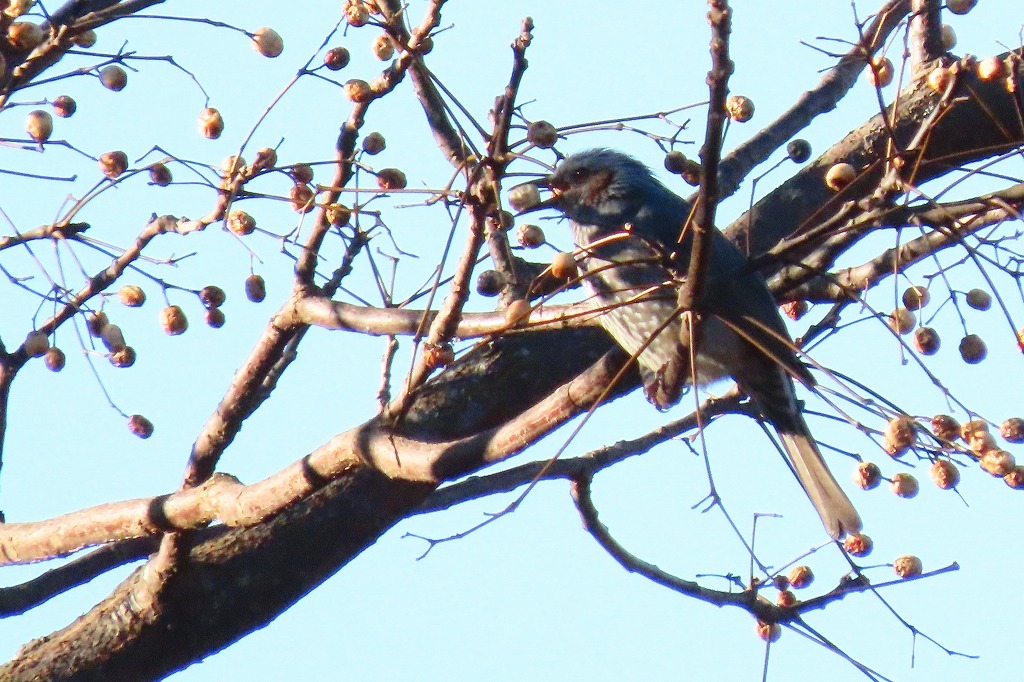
x=858, y=545
x=356, y=14
x=302, y=173
x=1012, y=430
x=112, y=164
x=215, y=318
x=915, y=297
x=232, y=165
x=926, y=341
x=880, y=72
x=16, y=8
x=907, y=566
x=173, y=320
x=840, y=176
x=241, y=223
x=24, y=35
x=338, y=214
x=948, y=37
x=997, y=462
x=113, y=77
x=112, y=337
x=739, y=108
x=867, y=475
x=563, y=265
x=255, y=288
x=785, y=599
x=96, y=322
x=490, y=283
x=692, y=172
x=675, y=162
x=374, y=143
x=123, y=357
x=542, y=134
x=530, y=236
x=391, y=178
x=64, y=106
x=800, y=577
x=522, y=197
x=383, y=48
x=798, y=150
x=212, y=296
x=1015, y=479
x=969, y=428
x=302, y=198
x=504, y=219
x=54, y=359
x=358, y=90
x=904, y=485
x=267, y=42
x=972, y=349
x=36, y=344
x=939, y=79
x=39, y=125
x=211, y=123
x=517, y=313
x=265, y=158
x=769, y=632
x=945, y=474
x=336, y=58
x=435, y=355
x=901, y=432
x=160, y=175
x=794, y=310
x=85, y=39
x=945, y=427
x=979, y=299
x=140, y=426
x=902, y=321
x=960, y=6
x=991, y=68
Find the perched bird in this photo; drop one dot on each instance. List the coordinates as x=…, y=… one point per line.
x=632, y=232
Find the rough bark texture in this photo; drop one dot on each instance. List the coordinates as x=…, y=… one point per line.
x=237, y=580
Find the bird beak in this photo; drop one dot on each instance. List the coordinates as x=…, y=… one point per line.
x=552, y=201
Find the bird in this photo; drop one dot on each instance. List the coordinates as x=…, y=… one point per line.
x=632, y=234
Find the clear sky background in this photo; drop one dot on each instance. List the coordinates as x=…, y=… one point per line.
x=531, y=596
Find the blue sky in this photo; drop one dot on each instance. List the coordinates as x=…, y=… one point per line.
x=531, y=596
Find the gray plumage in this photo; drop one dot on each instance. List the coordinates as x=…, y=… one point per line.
x=629, y=225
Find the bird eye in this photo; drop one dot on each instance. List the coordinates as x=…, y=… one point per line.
x=580, y=174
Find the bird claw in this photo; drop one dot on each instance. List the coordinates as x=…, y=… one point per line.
x=665, y=387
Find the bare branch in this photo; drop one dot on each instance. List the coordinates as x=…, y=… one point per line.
x=951, y=223
x=836, y=83
x=18, y=599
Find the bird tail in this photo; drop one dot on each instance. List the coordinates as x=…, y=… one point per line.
x=832, y=504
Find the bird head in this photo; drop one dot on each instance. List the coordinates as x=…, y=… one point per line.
x=598, y=187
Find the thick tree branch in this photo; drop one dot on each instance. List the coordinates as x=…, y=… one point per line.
x=982, y=122
x=268, y=566
x=224, y=499
x=925, y=37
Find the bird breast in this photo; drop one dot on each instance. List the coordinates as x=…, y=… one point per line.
x=637, y=299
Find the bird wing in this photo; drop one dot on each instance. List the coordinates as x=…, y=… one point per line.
x=743, y=302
